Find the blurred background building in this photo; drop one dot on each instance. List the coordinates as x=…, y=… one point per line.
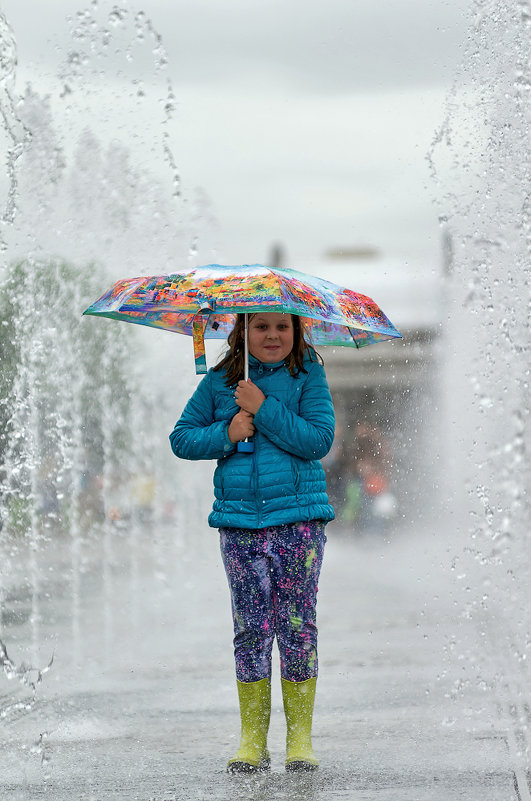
x=381, y=470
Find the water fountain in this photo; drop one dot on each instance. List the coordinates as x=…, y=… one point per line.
x=481, y=162
x=78, y=214
x=87, y=209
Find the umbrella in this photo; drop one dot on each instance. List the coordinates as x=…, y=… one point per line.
x=202, y=302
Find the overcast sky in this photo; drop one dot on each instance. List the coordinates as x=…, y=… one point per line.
x=303, y=121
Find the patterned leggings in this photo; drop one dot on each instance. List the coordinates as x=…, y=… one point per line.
x=273, y=575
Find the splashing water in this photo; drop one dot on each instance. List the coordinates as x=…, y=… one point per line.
x=73, y=395
x=26, y=675
x=98, y=34
x=481, y=160
x=17, y=134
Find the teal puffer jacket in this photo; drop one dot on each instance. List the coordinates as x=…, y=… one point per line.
x=283, y=481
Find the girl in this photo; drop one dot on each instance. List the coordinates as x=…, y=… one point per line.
x=271, y=509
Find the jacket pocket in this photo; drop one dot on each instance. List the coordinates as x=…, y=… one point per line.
x=296, y=477
x=219, y=483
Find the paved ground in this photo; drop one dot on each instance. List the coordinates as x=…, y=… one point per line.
x=140, y=701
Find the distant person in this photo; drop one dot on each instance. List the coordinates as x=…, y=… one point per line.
x=271, y=509
x=369, y=482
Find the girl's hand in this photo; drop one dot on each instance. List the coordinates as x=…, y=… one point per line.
x=241, y=426
x=248, y=396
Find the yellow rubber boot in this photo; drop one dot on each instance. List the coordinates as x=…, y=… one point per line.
x=299, y=697
x=255, y=712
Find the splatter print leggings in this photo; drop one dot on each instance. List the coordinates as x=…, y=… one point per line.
x=273, y=575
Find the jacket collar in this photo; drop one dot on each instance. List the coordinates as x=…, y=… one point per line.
x=261, y=366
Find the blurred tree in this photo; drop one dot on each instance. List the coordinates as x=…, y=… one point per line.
x=65, y=398
x=67, y=410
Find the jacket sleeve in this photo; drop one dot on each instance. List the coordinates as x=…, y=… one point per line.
x=197, y=435
x=308, y=434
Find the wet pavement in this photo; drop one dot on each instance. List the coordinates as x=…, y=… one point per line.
x=140, y=700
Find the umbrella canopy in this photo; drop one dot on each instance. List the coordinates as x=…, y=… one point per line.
x=202, y=302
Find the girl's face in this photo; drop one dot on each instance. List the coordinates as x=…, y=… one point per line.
x=270, y=336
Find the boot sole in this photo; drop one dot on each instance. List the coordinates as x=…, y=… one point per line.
x=299, y=766
x=246, y=767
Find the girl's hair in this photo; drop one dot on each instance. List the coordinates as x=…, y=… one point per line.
x=294, y=361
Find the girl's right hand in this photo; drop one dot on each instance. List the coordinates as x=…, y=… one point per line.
x=241, y=426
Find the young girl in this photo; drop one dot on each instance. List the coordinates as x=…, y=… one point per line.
x=271, y=509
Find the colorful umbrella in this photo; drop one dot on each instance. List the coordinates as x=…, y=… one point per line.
x=202, y=302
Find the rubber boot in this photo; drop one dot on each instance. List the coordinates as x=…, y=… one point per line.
x=299, y=697
x=255, y=712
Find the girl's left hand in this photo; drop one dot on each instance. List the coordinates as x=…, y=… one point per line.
x=248, y=396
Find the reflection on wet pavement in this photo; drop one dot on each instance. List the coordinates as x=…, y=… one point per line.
x=155, y=718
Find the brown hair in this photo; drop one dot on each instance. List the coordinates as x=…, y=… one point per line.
x=294, y=361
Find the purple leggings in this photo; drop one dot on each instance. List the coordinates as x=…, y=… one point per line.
x=273, y=575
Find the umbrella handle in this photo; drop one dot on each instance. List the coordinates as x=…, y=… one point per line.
x=247, y=445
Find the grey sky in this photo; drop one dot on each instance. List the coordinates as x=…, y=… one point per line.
x=306, y=122
x=315, y=46
x=336, y=47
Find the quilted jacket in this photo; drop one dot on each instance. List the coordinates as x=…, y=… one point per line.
x=282, y=481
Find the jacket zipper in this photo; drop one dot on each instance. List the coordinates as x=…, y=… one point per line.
x=256, y=482
x=255, y=486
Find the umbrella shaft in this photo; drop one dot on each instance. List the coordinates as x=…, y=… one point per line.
x=246, y=349
x=246, y=358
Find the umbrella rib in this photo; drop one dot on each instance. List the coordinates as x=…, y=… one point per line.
x=353, y=337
